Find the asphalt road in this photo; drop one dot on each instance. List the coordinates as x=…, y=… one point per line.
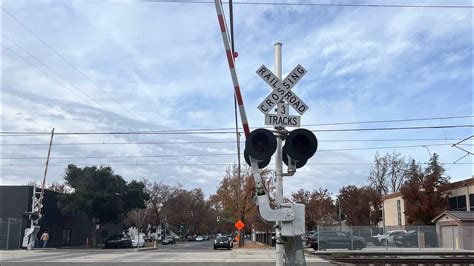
x=184, y=253
x=188, y=246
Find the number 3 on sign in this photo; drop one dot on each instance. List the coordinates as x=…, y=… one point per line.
x=282, y=109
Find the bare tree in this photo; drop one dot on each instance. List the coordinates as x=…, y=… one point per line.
x=388, y=173
x=159, y=193
x=137, y=218
x=397, y=171
x=230, y=203
x=59, y=187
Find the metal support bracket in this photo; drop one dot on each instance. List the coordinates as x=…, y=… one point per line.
x=284, y=214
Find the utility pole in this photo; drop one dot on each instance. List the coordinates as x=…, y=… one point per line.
x=237, y=133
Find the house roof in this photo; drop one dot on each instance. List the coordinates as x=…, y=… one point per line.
x=462, y=183
x=458, y=215
x=391, y=196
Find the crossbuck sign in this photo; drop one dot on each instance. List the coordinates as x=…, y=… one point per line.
x=281, y=91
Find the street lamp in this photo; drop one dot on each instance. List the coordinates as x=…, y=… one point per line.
x=429, y=152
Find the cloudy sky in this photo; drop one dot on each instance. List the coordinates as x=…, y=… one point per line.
x=128, y=66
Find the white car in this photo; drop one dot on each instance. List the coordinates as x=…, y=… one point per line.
x=387, y=238
x=199, y=238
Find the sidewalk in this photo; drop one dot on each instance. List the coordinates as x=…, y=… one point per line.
x=249, y=244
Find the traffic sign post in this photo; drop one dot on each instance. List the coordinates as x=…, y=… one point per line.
x=239, y=225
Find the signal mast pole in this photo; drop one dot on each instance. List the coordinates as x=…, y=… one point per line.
x=279, y=168
x=36, y=205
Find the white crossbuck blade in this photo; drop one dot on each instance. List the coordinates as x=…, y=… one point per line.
x=281, y=89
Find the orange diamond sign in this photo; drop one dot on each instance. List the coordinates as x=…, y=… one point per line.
x=239, y=225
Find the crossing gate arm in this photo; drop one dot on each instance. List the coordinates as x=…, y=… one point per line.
x=267, y=213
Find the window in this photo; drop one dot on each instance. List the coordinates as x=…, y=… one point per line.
x=453, y=203
x=462, y=203
x=458, y=203
x=399, y=212
x=471, y=201
x=328, y=234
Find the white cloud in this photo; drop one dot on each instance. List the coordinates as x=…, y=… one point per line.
x=166, y=64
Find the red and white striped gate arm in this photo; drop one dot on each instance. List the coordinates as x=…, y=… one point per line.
x=238, y=95
x=231, y=61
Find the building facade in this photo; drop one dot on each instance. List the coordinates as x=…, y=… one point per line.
x=461, y=198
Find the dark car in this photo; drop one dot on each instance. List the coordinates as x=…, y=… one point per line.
x=118, y=241
x=336, y=239
x=310, y=237
x=410, y=239
x=168, y=241
x=222, y=242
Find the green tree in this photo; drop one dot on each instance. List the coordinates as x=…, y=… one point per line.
x=100, y=193
x=427, y=192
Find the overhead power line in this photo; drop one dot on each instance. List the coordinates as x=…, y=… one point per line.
x=221, y=142
x=47, y=75
x=314, y=4
x=197, y=132
x=50, y=69
x=392, y=120
x=67, y=61
x=214, y=154
x=195, y=164
x=320, y=124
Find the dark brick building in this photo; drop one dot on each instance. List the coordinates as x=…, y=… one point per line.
x=64, y=230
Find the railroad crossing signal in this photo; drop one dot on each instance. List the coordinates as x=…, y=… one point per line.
x=300, y=145
x=281, y=89
x=281, y=93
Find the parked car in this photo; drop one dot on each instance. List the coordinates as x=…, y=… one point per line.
x=199, y=238
x=310, y=238
x=168, y=240
x=387, y=238
x=223, y=242
x=410, y=239
x=336, y=239
x=118, y=241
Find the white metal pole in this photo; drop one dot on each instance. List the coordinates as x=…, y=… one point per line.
x=278, y=170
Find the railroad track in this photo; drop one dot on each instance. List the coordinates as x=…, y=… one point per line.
x=404, y=260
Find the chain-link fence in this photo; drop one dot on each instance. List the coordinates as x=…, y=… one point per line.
x=444, y=237
x=10, y=233
x=404, y=238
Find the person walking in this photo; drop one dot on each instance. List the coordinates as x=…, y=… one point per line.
x=44, y=238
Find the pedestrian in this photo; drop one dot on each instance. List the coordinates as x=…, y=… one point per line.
x=44, y=238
